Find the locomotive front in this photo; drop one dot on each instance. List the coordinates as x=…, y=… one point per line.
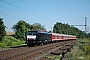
x=31, y=37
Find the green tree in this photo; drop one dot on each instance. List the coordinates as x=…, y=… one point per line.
x=38, y=26
x=2, y=29
x=21, y=28
x=67, y=29
x=88, y=34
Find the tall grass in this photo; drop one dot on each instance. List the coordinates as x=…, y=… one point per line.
x=80, y=51
x=10, y=41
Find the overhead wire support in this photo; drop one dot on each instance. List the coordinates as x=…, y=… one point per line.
x=77, y=25
x=83, y=25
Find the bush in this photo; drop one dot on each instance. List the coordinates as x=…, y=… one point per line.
x=10, y=41
x=80, y=51
x=2, y=44
x=87, y=50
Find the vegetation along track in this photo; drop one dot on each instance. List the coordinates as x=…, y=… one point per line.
x=33, y=53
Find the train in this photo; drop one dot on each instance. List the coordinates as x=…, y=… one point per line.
x=43, y=37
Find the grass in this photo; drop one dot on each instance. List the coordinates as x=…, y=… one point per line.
x=80, y=51
x=51, y=57
x=10, y=41
x=54, y=57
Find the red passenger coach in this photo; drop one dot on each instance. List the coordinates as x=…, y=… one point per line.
x=57, y=37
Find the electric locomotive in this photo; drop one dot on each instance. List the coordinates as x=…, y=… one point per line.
x=37, y=37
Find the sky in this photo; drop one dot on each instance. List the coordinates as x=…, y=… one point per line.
x=46, y=12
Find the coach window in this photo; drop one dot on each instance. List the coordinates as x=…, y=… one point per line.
x=58, y=37
x=55, y=37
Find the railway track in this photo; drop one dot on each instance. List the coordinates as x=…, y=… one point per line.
x=35, y=53
x=61, y=50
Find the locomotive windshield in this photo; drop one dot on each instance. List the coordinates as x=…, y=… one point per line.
x=31, y=35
